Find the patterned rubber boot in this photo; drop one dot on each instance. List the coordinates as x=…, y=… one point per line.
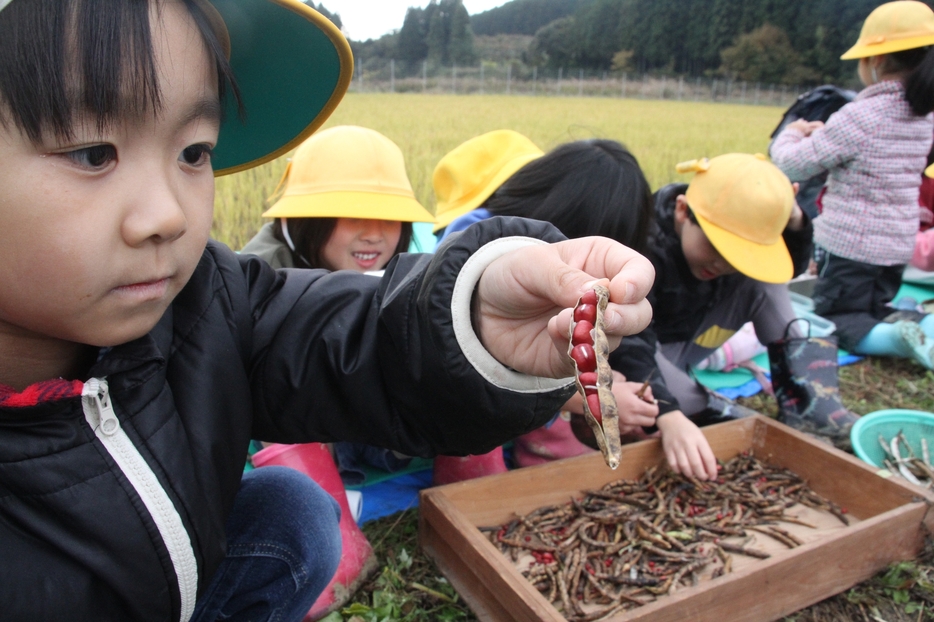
x=357, y=559
x=450, y=469
x=804, y=376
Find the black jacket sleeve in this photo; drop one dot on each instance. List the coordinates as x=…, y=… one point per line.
x=347, y=356
x=800, y=245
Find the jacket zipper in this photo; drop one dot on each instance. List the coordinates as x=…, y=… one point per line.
x=100, y=415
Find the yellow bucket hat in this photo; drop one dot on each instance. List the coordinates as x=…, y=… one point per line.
x=894, y=27
x=472, y=171
x=348, y=172
x=743, y=204
x=929, y=171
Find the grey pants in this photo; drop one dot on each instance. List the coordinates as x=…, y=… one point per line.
x=766, y=305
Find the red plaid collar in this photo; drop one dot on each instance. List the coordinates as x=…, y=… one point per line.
x=35, y=394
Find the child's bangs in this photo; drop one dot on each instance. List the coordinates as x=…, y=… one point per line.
x=87, y=57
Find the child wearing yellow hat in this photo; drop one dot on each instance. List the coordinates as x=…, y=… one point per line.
x=584, y=188
x=723, y=247
x=138, y=358
x=346, y=203
x=874, y=150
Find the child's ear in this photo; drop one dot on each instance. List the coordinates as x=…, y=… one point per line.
x=681, y=209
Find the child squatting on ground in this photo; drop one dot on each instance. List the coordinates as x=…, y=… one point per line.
x=345, y=202
x=584, y=188
x=875, y=149
x=138, y=358
x=723, y=247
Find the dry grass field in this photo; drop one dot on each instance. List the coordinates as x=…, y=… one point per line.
x=659, y=133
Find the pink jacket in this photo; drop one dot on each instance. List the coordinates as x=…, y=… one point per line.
x=875, y=149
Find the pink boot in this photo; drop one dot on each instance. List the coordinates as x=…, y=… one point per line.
x=549, y=443
x=357, y=558
x=450, y=469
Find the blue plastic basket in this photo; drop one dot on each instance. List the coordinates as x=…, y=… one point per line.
x=914, y=424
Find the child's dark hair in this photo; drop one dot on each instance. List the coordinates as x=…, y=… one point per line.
x=918, y=64
x=91, y=56
x=311, y=234
x=587, y=187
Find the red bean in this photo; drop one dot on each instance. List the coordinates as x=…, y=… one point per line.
x=589, y=382
x=593, y=402
x=585, y=358
x=582, y=334
x=585, y=313
x=589, y=298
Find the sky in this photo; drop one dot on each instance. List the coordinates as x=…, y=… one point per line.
x=370, y=19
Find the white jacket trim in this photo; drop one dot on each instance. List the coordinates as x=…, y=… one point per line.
x=100, y=415
x=492, y=370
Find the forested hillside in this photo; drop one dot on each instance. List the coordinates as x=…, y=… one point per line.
x=792, y=42
x=522, y=17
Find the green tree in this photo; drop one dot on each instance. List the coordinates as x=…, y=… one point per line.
x=766, y=55
x=437, y=37
x=460, y=41
x=412, y=46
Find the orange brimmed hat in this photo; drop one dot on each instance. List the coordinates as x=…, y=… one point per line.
x=472, y=171
x=894, y=27
x=743, y=204
x=348, y=172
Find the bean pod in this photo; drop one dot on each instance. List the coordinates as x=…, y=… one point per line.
x=589, y=349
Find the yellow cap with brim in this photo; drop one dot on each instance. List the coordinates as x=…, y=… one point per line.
x=743, y=204
x=894, y=27
x=929, y=171
x=472, y=171
x=292, y=66
x=348, y=172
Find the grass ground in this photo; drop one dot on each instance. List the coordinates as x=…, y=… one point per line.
x=660, y=134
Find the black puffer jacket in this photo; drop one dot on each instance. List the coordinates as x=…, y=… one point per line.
x=101, y=495
x=679, y=300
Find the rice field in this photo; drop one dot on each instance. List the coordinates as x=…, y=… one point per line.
x=659, y=133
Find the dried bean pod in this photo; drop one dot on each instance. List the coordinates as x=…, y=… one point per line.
x=595, y=379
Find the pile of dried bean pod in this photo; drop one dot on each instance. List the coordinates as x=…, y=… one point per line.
x=900, y=459
x=624, y=545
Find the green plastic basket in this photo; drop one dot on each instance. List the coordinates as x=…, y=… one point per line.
x=915, y=425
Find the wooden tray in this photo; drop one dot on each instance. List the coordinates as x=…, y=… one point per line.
x=892, y=519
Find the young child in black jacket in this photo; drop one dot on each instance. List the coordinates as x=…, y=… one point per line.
x=137, y=358
x=723, y=247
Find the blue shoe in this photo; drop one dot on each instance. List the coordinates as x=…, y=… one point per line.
x=921, y=346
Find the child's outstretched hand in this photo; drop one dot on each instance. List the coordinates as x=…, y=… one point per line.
x=524, y=300
x=686, y=447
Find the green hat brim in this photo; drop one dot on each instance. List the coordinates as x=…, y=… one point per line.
x=292, y=66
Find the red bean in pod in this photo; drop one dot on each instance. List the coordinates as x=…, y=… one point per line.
x=589, y=382
x=589, y=298
x=585, y=313
x=585, y=358
x=593, y=402
x=582, y=334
